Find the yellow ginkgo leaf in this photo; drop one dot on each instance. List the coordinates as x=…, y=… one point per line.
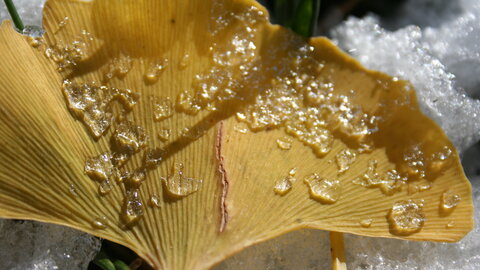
x=189, y=130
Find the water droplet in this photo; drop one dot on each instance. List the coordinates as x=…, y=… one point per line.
x=35, y=42
x=118, y=67
x=366, y=223
x=105, y=187
x=63, y=22
x=344, y=159
x=193, y=133
x=312, y=135
x=449, y=201
x=406, y=217
x=33, y=31
x=186, y=104
x=100, y=223
x=283, y=186
x=101, y=168
x=91, y=103
x=162, y=109
x=133, y=208
x=154, y=201
x=450, y=225
x=440, y=160
x=284, y=143
x=414, y=161
x=119, y=159
x=178, y=185
x=324, y=190
x=240, y=129
x=73, y=190
x=135, y=178
x=153, y=157
x=184, y=61
x=389, y=182
x=34, y=35
x=241, y=116
x=153, y=72
x=67, y=55
x=164, y=134
x=129, y=137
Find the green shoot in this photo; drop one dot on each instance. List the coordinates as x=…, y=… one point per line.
x=14, y=14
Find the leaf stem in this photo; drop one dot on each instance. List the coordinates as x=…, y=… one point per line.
x=14, y=14
x=337, y=249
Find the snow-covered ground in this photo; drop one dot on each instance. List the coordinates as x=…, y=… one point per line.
x=27, y=245
x=433, y=43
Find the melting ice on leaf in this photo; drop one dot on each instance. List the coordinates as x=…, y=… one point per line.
x=94, y=105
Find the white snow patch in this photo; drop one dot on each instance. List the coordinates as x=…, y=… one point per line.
x=28, y=245
x=442, y=63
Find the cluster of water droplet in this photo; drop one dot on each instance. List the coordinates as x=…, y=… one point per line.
x=103, y=170
x=277, y=91
x=282, y=89
x=67, y=54
x=233, y=61
x=389, y=182
x=323, y=190
x=162, y=108
x=117, y=67
x=91, y=103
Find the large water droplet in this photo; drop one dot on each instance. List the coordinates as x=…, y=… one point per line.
x=178, y=185
x=101, y=168
x=91, y=103
x=449, y=201
x=324, y=190
x=129, y=137
x=406, y=217
x=283, y=186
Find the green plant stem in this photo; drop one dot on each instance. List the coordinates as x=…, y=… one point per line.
x=299, y=15
x=119, y=265
x=104, y=264
x=305, y=17
x=14, y=14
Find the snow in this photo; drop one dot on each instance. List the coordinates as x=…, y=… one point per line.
x=29, y=10
x=28, y=245
x=442, y=62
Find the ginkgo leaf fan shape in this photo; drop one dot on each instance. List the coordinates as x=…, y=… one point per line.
x=156, y=124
